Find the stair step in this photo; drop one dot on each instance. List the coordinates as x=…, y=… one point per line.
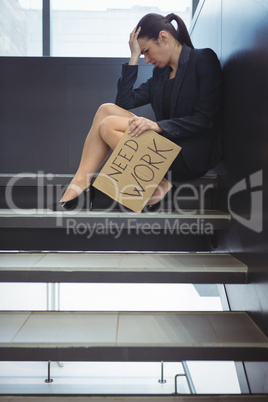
x=122, y=268
x=39, y=190
x=137, y=336
x=37, y=218
x=38, y=230
x=41, y=179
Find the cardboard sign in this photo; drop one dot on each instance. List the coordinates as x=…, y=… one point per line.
x=135, y=168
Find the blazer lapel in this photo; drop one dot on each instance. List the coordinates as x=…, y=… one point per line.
x=182, y=67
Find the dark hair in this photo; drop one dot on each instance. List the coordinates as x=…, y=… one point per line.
x=151, y=24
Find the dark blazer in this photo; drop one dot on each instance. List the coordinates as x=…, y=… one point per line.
x=194, y=105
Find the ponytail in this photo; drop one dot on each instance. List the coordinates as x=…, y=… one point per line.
x=182, y=34
x=152, y=24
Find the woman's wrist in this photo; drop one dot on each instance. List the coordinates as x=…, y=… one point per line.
x=134, y=60
x=158, y=129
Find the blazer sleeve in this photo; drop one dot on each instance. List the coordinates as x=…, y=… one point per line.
x=207, y=106
x=127, y=97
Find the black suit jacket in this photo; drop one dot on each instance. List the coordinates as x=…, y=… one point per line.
x=194, y=105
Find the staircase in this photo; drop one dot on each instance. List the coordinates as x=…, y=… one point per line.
x=39, y=245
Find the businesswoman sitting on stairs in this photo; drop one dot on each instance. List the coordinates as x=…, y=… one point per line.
x=185, y=94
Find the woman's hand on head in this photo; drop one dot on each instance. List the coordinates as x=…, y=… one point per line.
x=134, y=46
x=139, y=125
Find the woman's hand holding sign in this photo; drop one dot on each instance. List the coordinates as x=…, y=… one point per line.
x=139, y=125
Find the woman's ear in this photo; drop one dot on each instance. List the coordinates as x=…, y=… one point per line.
x=163, y=37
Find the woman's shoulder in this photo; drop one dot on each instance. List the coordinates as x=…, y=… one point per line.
x=206, y=62
x=196, y=55
x=203, y=53
x=205, y=59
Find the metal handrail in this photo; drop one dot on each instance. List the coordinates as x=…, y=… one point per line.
x=188, y=377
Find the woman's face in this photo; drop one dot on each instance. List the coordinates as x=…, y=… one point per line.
x=155, y=52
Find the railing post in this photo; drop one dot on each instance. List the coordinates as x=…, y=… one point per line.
x=48, y=380
x=162, y=381
x=176, y=387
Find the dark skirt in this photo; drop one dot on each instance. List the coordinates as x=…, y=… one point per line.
x=179, y=171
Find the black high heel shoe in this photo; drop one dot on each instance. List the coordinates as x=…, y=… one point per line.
x=166, y=204
x=91, y=197
x=80, y=201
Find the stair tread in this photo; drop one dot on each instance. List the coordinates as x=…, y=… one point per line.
x=118, y=267
x=44, y=218
x=99, y=214
x=150, y=329
x=125, y=262
x=218, y=332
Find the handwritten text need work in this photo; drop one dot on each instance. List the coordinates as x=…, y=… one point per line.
x=143, y=169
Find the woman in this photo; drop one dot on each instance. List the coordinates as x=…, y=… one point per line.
x=185, y=94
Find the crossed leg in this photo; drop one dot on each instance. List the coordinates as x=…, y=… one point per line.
x=109, y=125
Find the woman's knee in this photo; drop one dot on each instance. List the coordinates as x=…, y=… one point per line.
x=110, y=109
x=105, y=110
x=107, y=126
x=112, y=128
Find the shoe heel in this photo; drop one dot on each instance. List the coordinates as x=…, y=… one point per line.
x=91, y=197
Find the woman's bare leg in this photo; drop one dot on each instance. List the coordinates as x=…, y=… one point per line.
x=109, y=124
x=111, y=130
x=96, y=147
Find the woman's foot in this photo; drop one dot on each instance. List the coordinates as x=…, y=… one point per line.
x=160, y=192
x=75, y=188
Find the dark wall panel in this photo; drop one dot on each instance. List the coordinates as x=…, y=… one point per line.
x=88, y=89
x=34, y=115
x=47, y=106
x=245, y=67
x=244, y=57
x=243, y=51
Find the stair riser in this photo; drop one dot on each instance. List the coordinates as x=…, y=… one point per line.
x=123, y=277
x=133, y=354
x=34, y=239
x=27, y=197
